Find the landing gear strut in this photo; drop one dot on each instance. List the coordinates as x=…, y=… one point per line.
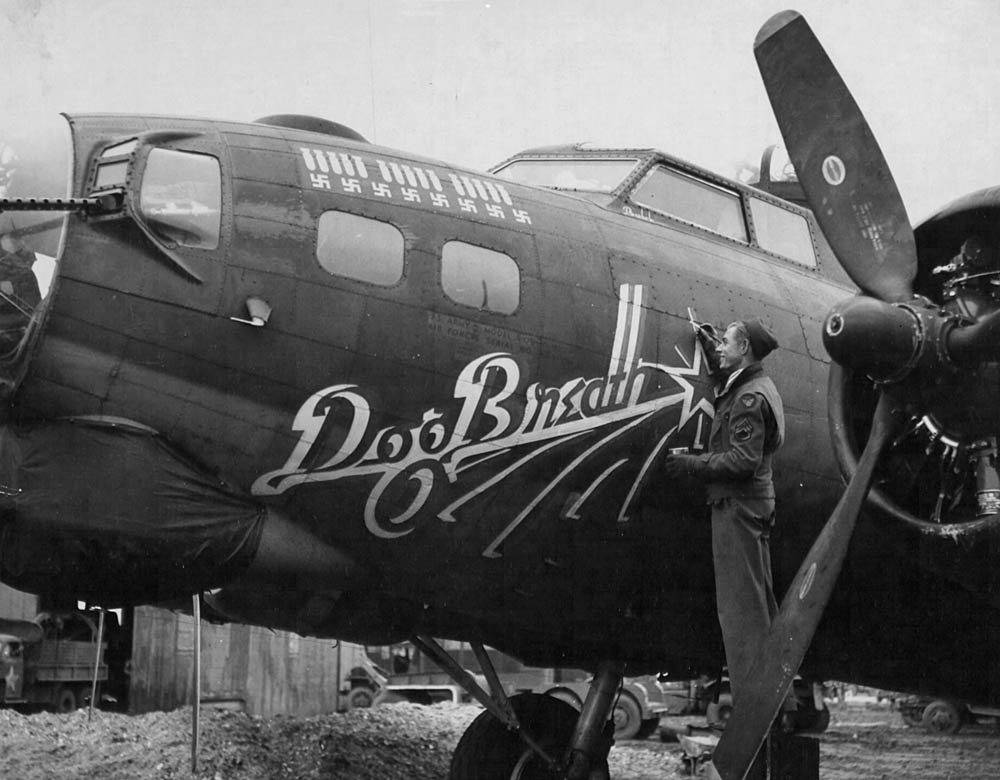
x=531, y=736
x=590, y=744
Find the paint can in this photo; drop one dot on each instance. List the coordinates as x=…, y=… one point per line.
x=989, y=502
x=987, y=481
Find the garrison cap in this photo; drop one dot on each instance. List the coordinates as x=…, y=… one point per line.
x=762, y=340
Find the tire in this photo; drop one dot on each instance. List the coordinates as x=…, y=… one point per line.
x=648, y=728
x=627, y=716
x=942, y=717
x=360, y=698
x=489, y=751
x=65, y=700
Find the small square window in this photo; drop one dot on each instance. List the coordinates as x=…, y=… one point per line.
x=111, y=174
x=360, y=248
x=480, y=278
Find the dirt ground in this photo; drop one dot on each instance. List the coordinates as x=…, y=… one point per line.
x=871, y=742
x=409, y=742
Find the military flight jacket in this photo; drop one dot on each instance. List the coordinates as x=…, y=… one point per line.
x=748, y=427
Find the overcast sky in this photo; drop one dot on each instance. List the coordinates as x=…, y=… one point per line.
x=472, y=82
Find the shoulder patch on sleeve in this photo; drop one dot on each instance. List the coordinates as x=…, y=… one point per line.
x=748, y=399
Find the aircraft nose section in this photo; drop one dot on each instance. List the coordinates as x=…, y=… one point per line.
x=35, y=168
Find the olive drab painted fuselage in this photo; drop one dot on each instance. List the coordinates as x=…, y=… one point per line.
x=464, y=384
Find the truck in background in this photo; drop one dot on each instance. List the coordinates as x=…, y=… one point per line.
x=416, y=678
x=642, y=701
x=943, y=715
x=49, y=661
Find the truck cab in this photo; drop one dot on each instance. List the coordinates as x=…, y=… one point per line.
x=50, y=661
x=11, y=667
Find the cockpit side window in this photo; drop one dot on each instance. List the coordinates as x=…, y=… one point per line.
x=181, y=197
x=782, y=231
x=480, y=278
x=702, y=203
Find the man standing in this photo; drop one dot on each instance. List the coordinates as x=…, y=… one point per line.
x=748, y=427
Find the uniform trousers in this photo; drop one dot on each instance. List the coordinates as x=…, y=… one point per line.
x=741, y=528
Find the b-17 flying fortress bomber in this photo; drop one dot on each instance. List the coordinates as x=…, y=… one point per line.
x=354, y=393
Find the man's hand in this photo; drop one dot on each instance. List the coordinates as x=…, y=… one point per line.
x=680, y=466
x=707, y=334
x=709, y=339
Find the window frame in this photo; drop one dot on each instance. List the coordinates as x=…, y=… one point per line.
x=809, y=231
x=366, y=218
x=141, y=204
x=494, y=251
x=734, y=197
x=635, y=162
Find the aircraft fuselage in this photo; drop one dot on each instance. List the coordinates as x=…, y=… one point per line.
x=462, y=383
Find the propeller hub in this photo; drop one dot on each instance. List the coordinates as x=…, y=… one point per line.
x=881, y=340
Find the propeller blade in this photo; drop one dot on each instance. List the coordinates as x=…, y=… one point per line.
x=778, y=659
x=838, y=161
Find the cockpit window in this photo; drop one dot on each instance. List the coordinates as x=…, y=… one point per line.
x=699, y=202
x=35, y=162
x=592, y=175
x=181, y=197
x=783, y=232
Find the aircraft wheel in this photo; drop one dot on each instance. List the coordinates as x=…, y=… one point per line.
x=489, y=751
x=942, y=717
x=566, y=695
x=627, y=717
x=65, y=700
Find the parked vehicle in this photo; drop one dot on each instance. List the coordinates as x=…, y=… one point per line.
x=50, y=661
x=942, y=715
x=713, y=698
x=363, y=684
x=416, y=678
x=639, y=706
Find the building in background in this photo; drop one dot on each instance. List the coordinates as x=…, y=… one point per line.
x=255, y=669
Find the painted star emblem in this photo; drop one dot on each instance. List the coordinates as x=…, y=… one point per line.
x=694, y=397
x=12, y=679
